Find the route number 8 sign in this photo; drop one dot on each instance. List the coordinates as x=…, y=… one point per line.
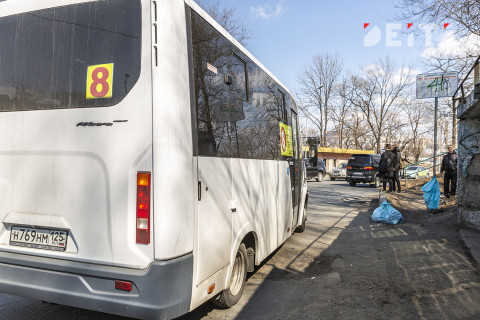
x=99, y=81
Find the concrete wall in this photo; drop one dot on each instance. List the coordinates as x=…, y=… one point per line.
x=469, y=172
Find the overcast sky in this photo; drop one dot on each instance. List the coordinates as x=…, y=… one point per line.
x=288, y=33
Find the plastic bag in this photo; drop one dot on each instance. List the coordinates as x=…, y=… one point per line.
x=387, y=214
x=431, y=194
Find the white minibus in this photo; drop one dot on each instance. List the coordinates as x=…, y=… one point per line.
x=147, y=160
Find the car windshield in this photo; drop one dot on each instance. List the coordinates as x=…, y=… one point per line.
x=359, y=160
x=342, y=166
x=412, y=168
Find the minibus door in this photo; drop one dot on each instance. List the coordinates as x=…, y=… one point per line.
x=296, y=175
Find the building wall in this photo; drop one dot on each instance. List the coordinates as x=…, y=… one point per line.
x=469, y=172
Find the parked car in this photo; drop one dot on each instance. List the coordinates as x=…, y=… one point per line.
x=313, y=170
x=363, y=168
x=416, y=172
x=340, y=172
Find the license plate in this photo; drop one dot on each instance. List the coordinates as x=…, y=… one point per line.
x=50, y=239
x=358, y=173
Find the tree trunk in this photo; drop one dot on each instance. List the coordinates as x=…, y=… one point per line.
x=377, y=141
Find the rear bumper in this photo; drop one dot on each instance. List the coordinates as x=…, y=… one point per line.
x=361, y=179
x=162, y=291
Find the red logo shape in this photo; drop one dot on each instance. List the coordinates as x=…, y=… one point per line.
x=445, y=25
x=365, y=25
x=409, y=25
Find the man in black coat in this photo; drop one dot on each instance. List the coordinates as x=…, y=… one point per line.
x=449, y=165
x=386, y=167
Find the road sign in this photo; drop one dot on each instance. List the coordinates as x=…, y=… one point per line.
x=437, y=85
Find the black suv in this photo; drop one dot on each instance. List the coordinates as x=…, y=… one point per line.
x=315, y=170
x=363, y=168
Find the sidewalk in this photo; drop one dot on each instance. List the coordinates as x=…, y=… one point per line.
x=410, y=203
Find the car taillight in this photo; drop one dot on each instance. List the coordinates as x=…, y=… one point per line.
x=369, y=168
x=143, y=207
x=349, y=167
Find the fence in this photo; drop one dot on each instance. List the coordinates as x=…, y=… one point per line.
x=438, y=164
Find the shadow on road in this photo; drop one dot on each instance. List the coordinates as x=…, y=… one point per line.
x=369, y=271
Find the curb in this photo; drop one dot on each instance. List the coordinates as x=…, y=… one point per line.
x=382, y=196
x=472, y=241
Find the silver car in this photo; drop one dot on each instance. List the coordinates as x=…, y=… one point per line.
x=340, y=172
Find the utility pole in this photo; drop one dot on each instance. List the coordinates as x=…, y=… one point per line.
x=435, y=129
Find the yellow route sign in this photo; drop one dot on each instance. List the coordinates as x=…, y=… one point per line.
x=286, y=140
x=99, y=81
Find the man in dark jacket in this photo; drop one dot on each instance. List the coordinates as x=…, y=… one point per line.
x=386, y=167
x=449, y=165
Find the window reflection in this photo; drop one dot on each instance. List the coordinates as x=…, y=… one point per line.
x=239, y=106
x=44, y=55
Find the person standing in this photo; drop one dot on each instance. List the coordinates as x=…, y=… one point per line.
x=449, y=165
x=385, y=166
x=396, y=169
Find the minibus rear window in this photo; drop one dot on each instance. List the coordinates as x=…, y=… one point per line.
x=83, y=55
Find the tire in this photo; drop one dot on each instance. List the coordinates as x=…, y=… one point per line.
x=301, y=227
x=231, y=295
x=352, y=184
x=319, y=177
x=333, y=179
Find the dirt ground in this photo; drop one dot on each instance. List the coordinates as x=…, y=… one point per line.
x=412, y=206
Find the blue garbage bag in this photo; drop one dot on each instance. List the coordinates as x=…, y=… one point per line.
x=431, y=194
x=387, y=214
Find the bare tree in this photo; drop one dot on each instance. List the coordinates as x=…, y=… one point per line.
x=357, y=135
x=317, y=82
x=418, y=126
x=377, y=94
x=460, y=61
x=463, y=14
x=226, y=17
x=341, y=110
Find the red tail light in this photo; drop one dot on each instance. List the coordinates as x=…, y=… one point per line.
x=143, y=207
x=349, y=167
x=123, y=285
x=369, y=168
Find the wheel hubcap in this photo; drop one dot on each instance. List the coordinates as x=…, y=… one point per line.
x=236, y=280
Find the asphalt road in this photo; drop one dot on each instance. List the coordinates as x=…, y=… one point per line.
x=342, y=267
x=290, y=278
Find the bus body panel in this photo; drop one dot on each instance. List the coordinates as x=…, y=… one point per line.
x=267, y=205
x=55, y=171
x=214, y=220
x=175, y=189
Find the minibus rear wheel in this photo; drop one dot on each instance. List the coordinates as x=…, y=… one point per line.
x=232, y=294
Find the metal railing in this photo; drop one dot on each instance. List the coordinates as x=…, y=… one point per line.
x=461, y=88
x=439, y=163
